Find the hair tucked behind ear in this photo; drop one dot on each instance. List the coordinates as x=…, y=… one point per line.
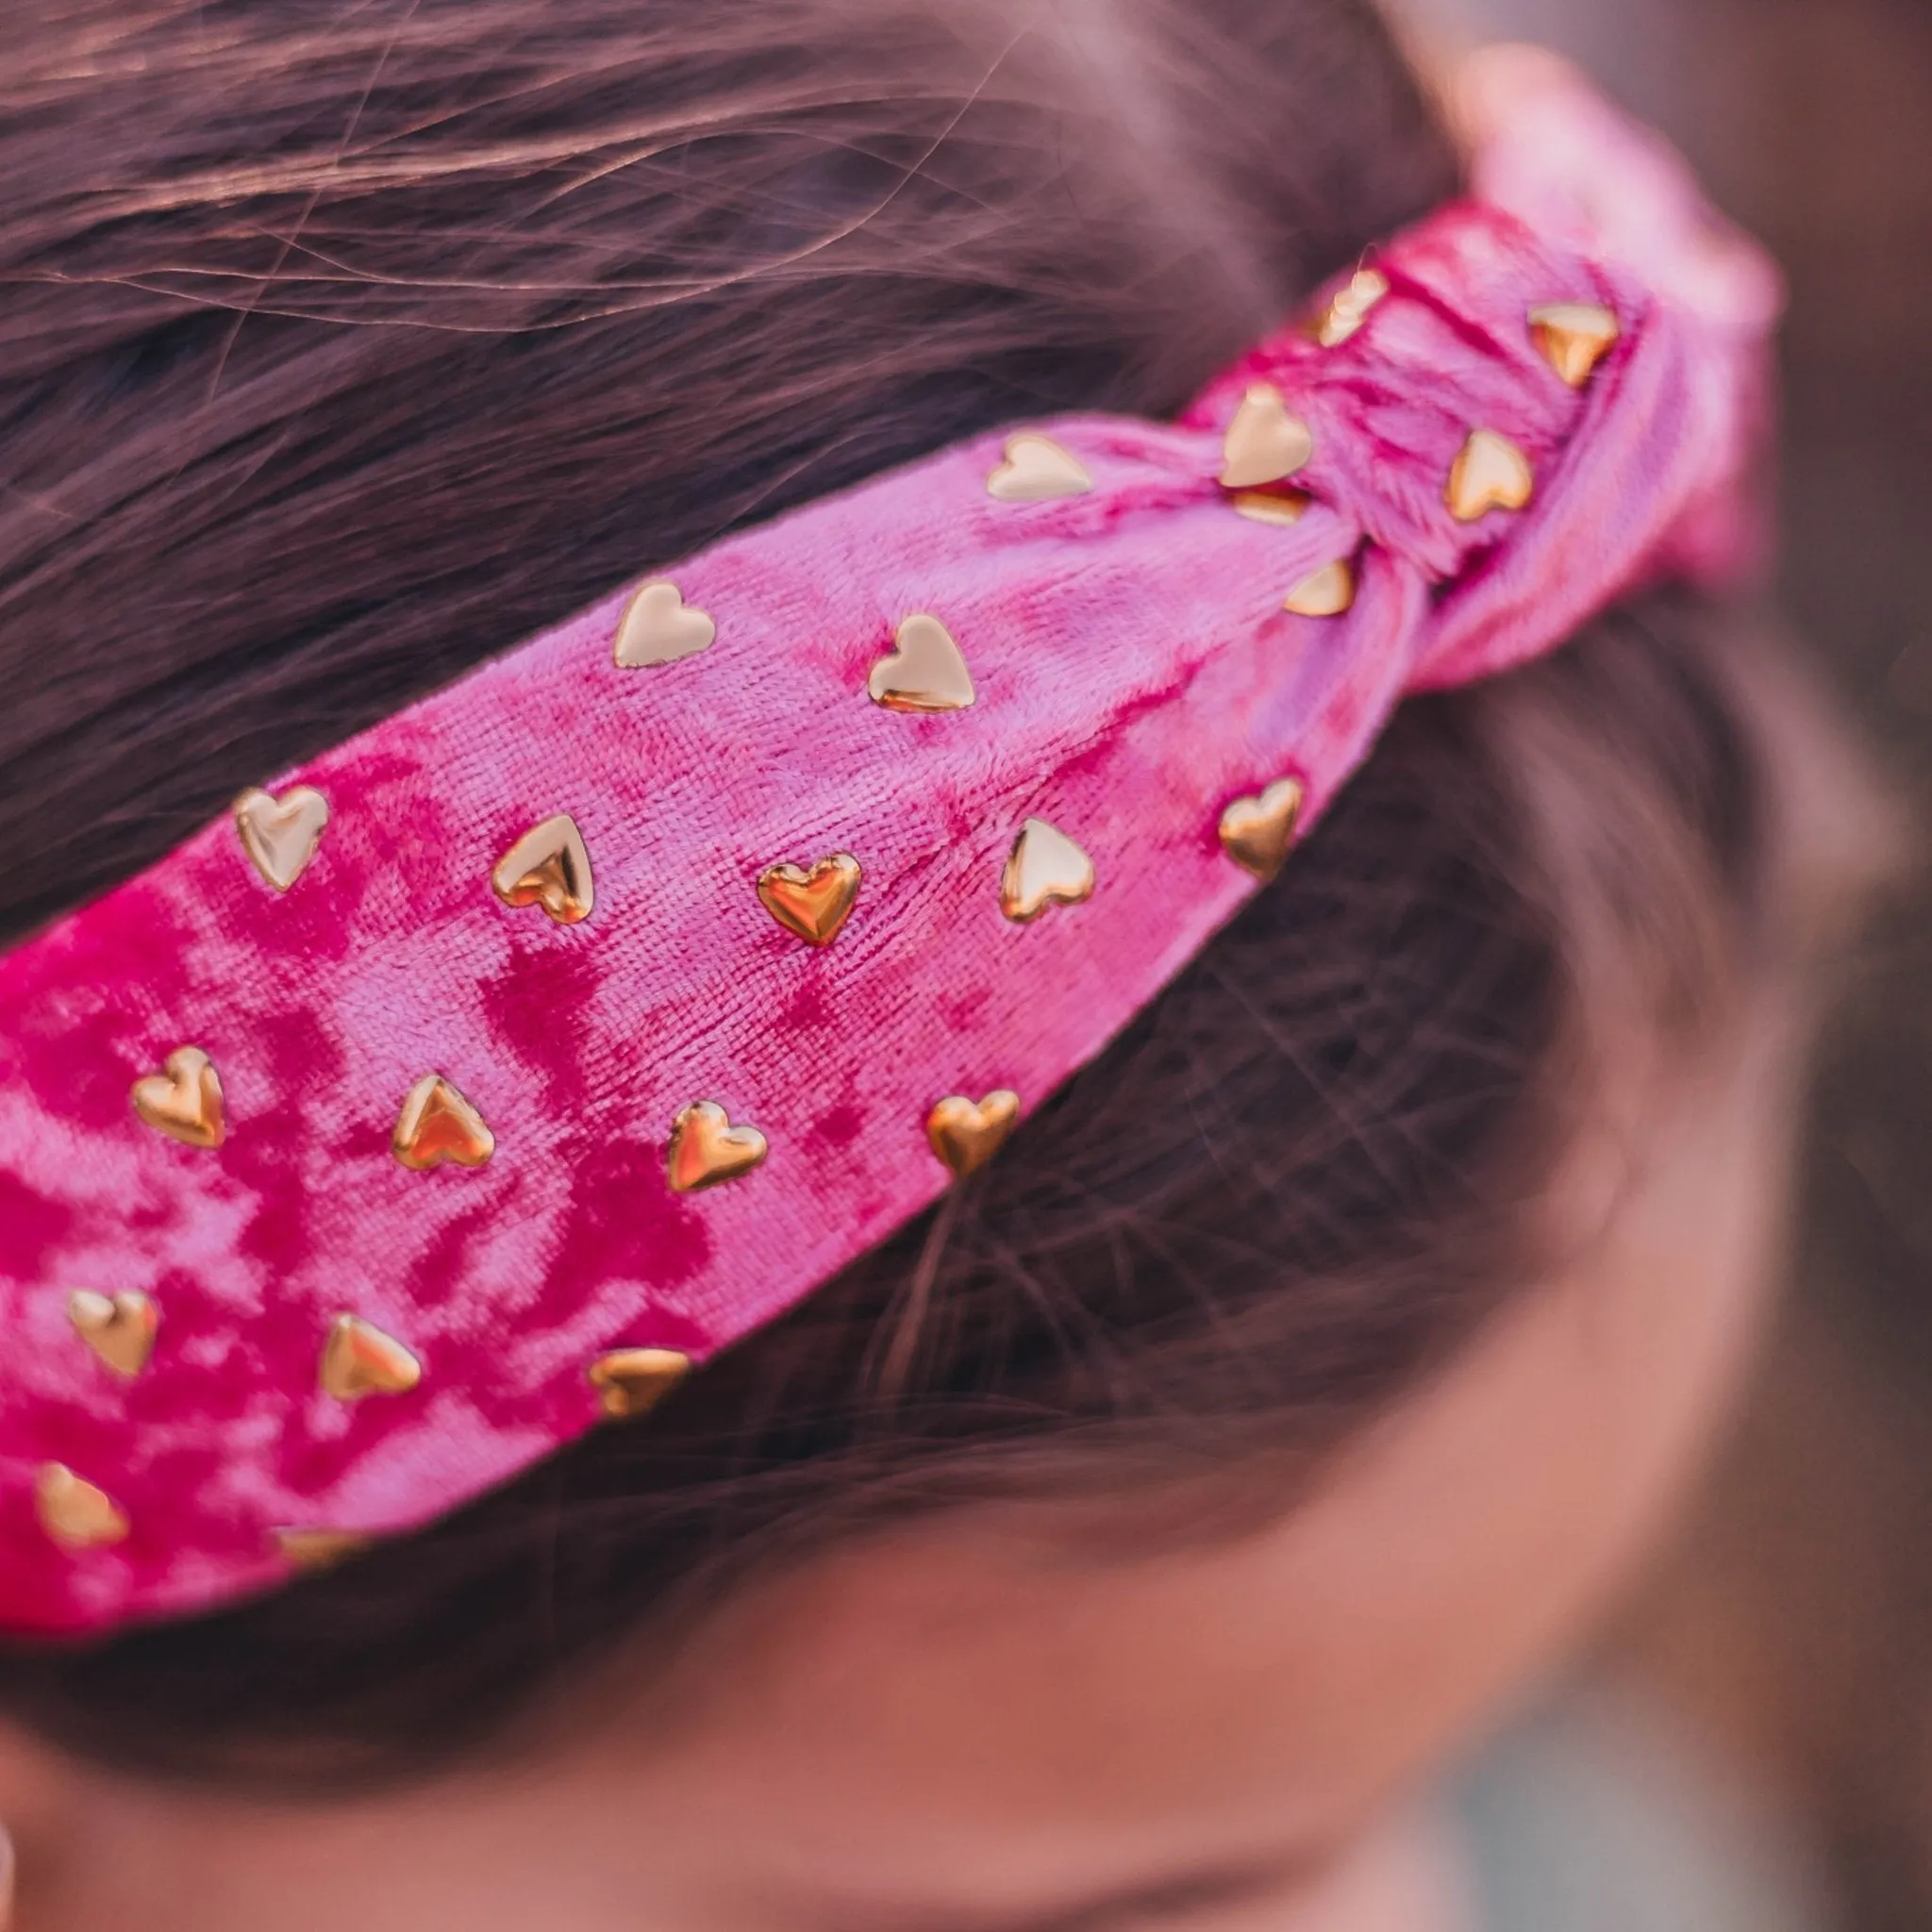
x=338, y=358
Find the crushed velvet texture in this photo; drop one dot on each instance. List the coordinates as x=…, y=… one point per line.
x=1136, y=671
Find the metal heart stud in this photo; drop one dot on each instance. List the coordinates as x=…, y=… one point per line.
x=358, y=1359
x=1573, y=337
x=315, y=1550
x=815, y=905
x=437, y=1125
x=630, y=1382
x=1328, y=592
x=660, y=628
x=184, y=1101
x=1258, y=833
x=1282, y=506
x=1266, y=442
x=120, y=1328
x=1044, y=867
x=928, y=672
x=280, y=834
x=966, y=1134
x=549, y=866
x=1350, y=308
x=1489, y=474
x=75, y=1514
x=1035, y=468
x=706, y=1149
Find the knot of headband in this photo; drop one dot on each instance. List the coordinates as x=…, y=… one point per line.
x=472, y=1081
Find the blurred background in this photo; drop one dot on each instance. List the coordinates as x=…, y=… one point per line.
x=1785, y=1647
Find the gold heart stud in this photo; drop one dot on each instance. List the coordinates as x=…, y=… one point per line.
x=966, y=1134
x=1328, y=592
x=1350, y=308
x=549, y=866
x=928, y=672
x=630, y=1382
x=120, y=1328
x=1266, y=442
x=358, y=1359
x=1283, y=506
x=815, y=905
x=1258, y=833
x=280, y=834
x=1573, y=337
x=706, y=1149
x=184, y=1101
x=1035, y=468
x=1489, y=474
x=1044, y=867
x=320, y=1549
x=660, y=628
x=437, y=1125
x=75, y=1514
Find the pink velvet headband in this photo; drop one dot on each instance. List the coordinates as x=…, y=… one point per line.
x=570, y=1025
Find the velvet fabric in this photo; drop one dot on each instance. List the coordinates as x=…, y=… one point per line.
x=1135, y=670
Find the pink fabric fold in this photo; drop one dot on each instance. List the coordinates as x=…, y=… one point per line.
x=1135, y=673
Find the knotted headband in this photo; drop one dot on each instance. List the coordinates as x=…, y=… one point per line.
x=472, y=1081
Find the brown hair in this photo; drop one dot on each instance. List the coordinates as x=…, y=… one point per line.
x=342, y=351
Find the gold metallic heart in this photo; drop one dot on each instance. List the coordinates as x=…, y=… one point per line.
x=1035, y=468
x=75, y=1514
x=280, y=834
x=437, y=1125
x=120, y=1328
x=320, y=1549
x=705, y=1149
x=1573, y=337
x=1489, y=474
x=815, y=905
x=1258, y=833
x=1044, y=867
x=630, y=1382
x=1283, y=506
x=660, y=628
x=549, y=866
x=185, y=1099
x=1328, y=592
x=358, y=1359
x=928, y=672
x=1266, y=442
x=966, y=1134
x=1346, y=313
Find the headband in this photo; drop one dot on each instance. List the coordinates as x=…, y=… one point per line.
x=468, y=1084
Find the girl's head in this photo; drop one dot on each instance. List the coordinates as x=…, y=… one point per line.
x=1111, y=1543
